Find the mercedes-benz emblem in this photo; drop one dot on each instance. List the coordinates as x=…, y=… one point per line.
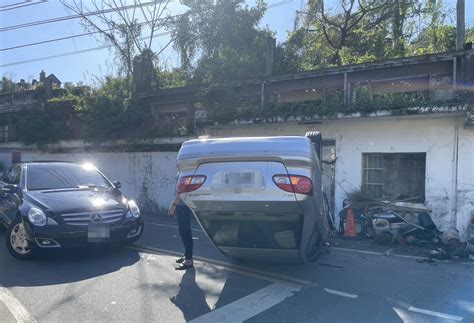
x=96, y=217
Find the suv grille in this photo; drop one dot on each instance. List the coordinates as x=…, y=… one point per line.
x=84, y=218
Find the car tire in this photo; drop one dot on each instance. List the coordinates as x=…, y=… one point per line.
x=317, y=140
x=314, y=245
x=17, y=243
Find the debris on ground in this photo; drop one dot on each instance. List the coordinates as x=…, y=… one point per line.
x=403, y=222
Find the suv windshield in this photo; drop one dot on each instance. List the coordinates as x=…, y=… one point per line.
x=60, y=176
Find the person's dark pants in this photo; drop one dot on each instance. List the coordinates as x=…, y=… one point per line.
x=183, y=214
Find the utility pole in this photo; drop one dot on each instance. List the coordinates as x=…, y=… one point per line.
x=460, y=24
x=296, y=23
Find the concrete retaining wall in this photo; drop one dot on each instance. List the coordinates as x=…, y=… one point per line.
x=148, y=177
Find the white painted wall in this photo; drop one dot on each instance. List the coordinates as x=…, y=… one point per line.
x=432, y=135
x=148, y=177
x=465, y=198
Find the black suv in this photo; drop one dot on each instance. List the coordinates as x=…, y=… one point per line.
x=61, y=205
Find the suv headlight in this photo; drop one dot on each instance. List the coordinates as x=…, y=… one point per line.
x=37, y=217
x=133, y=210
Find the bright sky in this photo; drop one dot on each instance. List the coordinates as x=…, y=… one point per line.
x=86, y=66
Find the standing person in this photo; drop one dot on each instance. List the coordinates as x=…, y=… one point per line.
x=183, y=214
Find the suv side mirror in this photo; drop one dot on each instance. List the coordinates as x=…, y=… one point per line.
x=10, y=189
x=117, y=184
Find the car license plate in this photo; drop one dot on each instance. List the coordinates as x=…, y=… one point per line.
x=244, y=178
x=98, y=233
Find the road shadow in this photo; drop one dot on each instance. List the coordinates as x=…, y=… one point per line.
x=63, y=266
x=190, y=299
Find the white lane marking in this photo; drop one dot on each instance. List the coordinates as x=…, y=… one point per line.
x=19, y=312
x=169, y=226
x=336, y=292
x=249, y=306
x=438, y=314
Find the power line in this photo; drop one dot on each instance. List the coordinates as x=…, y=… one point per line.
x=61, y=38
x=96, y=32
x=14, y=4
x=50, y=41
x=58, y=19
x=277, y=4
x=25, y=5
x=32, y=60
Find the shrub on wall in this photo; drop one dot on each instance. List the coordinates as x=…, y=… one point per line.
x=111, y=113
x=39, y=127
x=225, y=107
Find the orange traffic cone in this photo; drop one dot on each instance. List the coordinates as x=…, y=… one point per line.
x=350, y=229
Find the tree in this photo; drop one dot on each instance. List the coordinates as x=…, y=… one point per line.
x=220, y=40
x=7, y=85
x=118, y=23
x=174, y=77
x=338, y=29
x=437, y=39
x=355, y=31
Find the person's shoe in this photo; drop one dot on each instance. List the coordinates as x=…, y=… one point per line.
x=180, y=260
x=184, y=265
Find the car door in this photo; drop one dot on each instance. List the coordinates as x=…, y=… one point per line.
x=9, y=202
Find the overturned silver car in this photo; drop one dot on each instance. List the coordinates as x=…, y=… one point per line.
x=257, y=198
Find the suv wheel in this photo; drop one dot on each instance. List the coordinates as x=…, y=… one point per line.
x=17, y=242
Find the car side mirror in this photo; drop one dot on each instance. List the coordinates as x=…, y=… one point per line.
x=10, y=189
x=117, y=184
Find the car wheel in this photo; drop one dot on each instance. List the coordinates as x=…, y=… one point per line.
x=312, y=248
x=17, y=242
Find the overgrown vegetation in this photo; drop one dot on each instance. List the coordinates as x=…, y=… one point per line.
x=40, y=127
x=111, y=113
x=224, y=106
x=222, y=41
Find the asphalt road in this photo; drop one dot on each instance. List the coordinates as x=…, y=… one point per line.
x=140, y=284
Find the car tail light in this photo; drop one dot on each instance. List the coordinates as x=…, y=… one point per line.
x=294, y=183
x=190, y=183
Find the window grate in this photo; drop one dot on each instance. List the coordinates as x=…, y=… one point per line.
x=373, y=175
x=394, y=176
x=3, y=133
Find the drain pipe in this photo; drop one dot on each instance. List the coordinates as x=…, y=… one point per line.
x=454, y=209
x=262, y=95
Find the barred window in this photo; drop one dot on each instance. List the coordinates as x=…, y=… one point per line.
x=3, y=133
x=373, y=175
x=394, y=176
